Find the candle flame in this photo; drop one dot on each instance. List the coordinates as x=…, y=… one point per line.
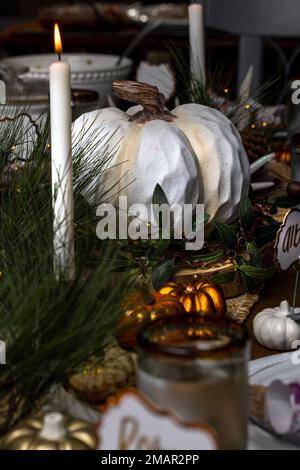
x=57, y=40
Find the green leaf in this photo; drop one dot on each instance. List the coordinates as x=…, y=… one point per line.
x=249, y=282
x=240, y=260
x=214, y=256
x=223, y=278
x=268, y=218
x=255, y=255
x=227, y=235
x=286, y=201
x=247, y=214
x=257, y=273
x=158, y=198
x=162, y=272
x=266, y=233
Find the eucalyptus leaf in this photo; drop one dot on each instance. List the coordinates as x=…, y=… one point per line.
x=158, y=199
x=247, y=215
x=223, y=278
x=162, y=272
x=159, y=196
x=249, y=282
x=240, y=260
x=213, y=256
x=266, y=233
x=257, y=273
x=254, y=253
x=227, y=235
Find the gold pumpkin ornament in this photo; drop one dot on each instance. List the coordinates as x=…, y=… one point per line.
x=139, y=308
x=54, y=431
x=198, y=296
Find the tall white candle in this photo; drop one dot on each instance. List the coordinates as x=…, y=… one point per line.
x=197, y=41
x=61, y=165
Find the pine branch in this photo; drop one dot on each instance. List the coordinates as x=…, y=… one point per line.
x=50, y=328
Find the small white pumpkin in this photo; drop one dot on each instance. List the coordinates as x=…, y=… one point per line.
x=274, y=329
x=194, y=152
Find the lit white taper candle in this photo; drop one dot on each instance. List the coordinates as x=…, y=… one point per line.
x=61, y=164
x=197, y=41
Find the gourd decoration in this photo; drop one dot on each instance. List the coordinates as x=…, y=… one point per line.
x=193, y=152
x=102, y=377
x=51, y=432
x=274, y=329
x=197, y=296
x=140, y=307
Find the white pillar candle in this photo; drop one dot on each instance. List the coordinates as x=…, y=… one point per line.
x=197, y=41
x=61, y=165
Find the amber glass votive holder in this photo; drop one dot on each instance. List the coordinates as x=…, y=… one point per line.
x=196, y=367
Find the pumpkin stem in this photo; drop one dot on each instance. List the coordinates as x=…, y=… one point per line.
x=148, y=96
x=148, y=298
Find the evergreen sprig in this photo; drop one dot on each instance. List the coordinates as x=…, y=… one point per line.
x=49, y=327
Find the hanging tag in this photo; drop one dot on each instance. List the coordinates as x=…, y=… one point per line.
x=131, y=422
x=287, y=246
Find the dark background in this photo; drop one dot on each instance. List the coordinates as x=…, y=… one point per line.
x=29, y=8
x=222, y=49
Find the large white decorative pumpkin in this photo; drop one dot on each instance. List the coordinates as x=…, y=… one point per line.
x=194, y=152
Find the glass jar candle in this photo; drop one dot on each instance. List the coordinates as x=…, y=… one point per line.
x=196, y=367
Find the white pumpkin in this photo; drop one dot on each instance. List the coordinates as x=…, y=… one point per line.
x=274, y=329
x=195, y=153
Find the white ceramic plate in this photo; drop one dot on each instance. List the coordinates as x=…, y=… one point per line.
x=83, y=66
x=262, y=372
x=88, y=71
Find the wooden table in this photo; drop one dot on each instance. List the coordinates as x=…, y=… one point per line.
x=279, y=288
